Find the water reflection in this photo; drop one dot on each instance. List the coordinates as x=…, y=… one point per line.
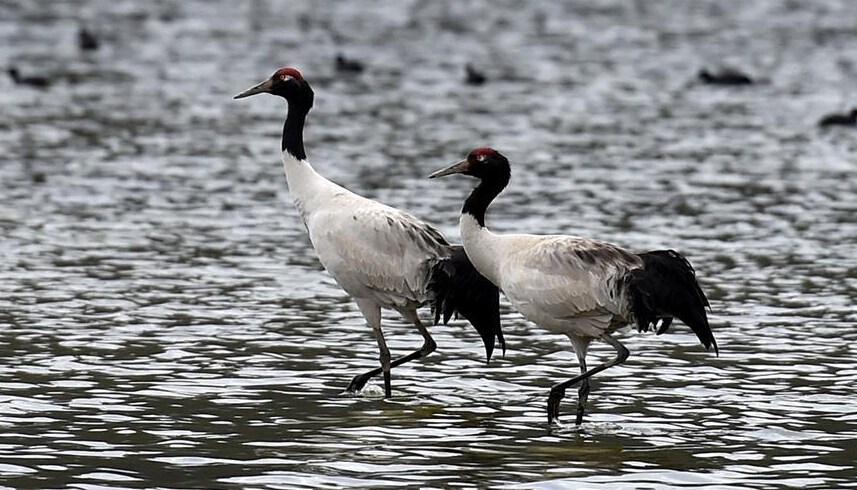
x=164, y=323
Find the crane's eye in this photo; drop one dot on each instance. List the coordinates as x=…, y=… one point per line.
x=481, y=157
x=285, y=77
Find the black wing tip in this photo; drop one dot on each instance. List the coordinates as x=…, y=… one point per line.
x=697, y=320
x=712, y=343
x=490, y=344
x=489, y=350
x=490, y=332
x=667, y=287
x=458, y=288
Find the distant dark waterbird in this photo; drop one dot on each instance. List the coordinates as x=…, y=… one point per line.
x=381, y=256
x=473, y=76
x=849, y=119
x=345, y=65
x=583, y=288
x=29, y=80
x=87, y=40
x=726, y=76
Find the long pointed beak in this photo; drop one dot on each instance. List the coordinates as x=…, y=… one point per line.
x=258, y=89
x=460, y=167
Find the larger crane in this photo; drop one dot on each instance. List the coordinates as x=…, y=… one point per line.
x=382, y=257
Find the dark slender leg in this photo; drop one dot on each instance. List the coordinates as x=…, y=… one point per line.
x=582, y=394
x=558, y=390
x=384, y=357
x=428, y=347
x=372, y=313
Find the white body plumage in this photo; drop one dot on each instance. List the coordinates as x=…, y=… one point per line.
x=549, y=281
x=373, y=251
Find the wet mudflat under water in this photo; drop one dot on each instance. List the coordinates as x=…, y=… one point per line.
x=164, y=322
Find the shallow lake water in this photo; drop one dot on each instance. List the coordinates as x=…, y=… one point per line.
x=164, y=322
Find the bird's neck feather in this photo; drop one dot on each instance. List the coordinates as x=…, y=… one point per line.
x=308, y=189
x=293, y=132
x=479, y=243
x=481, y=247
x=480, y=198
x=293, y=129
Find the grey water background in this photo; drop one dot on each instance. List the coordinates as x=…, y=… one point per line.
x=164, y=322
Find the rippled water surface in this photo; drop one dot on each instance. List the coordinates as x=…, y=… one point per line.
x=164, y=322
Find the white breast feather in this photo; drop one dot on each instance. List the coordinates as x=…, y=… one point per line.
x=373, y=250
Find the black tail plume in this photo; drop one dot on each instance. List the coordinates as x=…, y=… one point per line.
x=666, y=287
x=459, y=288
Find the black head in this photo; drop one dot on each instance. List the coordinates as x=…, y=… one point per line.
x=285, y=82
x=853, y=113
x=482, y=163
x=492, y=170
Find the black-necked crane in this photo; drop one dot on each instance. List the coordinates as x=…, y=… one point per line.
x=583, y=288
x=382, y=257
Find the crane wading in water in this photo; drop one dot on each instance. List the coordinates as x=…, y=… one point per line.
x=383, y=257
x=583, y=288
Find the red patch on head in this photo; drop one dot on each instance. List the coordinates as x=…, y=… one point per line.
x=483, y=151
x=288, y=72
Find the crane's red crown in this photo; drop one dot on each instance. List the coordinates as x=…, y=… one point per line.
x=288, y=72
x=483, y=152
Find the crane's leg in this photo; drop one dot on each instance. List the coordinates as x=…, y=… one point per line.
x=428, y=347
x=428, y=343
x=583, y=391
x=372, y=312
x=558, y=391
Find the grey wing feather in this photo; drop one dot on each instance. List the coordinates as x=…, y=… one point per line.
x=571, y=277
x=378, y=249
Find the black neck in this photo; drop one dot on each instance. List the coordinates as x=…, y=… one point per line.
x=293, y=134
x=293, y=129
x=480, y=198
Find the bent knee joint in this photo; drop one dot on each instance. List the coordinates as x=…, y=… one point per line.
x=429, y=346
x=622, y=355
x=583, y=391
x=384, y=357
